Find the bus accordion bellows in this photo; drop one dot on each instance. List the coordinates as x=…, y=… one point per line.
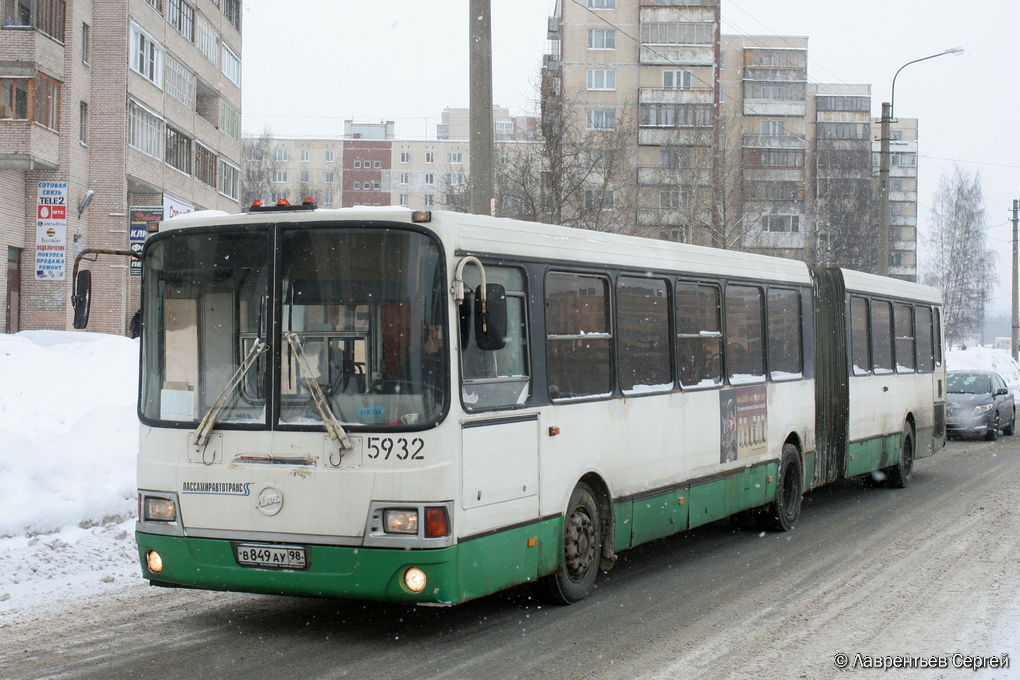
x=429, y=407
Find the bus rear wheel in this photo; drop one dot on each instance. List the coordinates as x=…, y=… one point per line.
x=782, y=513
x=582, y=550
x=898, y=476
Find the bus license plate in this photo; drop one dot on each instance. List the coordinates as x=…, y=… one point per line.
x=271, y=556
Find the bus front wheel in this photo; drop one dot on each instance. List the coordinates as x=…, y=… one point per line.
x=782, y=513
x=582, y=550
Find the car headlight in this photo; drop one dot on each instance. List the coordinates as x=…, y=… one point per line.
x=984, y=408
x=159, y=509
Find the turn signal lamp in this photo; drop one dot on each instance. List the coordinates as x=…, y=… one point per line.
x=436, y=523
x=414, y=579
x=153, y=561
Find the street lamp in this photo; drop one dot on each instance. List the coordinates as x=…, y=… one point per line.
x=883, y=165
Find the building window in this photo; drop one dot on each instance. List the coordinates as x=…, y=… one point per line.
x=47, y=102
x=675, y=115
x=430, y=157
x=376, y=164
x=595, y=199
x=146, y=56
x=357, y=164
x=230, y=120
x=782, y=223
x=304, y=176
x=676, y=33
x=905, y=160
x=773, y=128
x=330, y=198
x=328, y=177
x=404, y=177
x=305, y=155
x=330, y=157
x=405, y=157
x=156, y=5
x=672, y=199
x=83, y=123
x=205, y=164
x=601, y=39
x=230, y=177
x=430, y=178
x=207, y=40
x=14, y=99
x=429, y=199
x=778, y=158
x=180, y=82
x=232, y=11
x=17, y=12
x=280, y=155
x=676, y=80
x=601, y=119
x=280, y=176
x=48, y=16
x=231, y=66
x=181, y=16
x=177, y=152
x=145, y=130
x=601, y=4
x=601, y=79
x=86, y=45
x=357, y=186
x=375, y=186
x=455, y=157
x=403, y=200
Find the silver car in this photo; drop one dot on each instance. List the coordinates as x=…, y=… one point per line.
x=979, y=403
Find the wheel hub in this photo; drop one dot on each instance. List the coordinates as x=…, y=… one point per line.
x=578, y=544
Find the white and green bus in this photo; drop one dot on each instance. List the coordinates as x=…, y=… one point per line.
x=430, y=407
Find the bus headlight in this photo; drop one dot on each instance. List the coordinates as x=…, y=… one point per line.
x=159, y=509
x=414, y=579
x=400, y=521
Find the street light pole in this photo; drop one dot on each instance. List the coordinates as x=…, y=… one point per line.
x=883, y=164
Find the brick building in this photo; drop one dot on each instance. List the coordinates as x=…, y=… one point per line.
x=105, y=107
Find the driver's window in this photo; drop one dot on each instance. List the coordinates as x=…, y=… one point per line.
x=499, y=378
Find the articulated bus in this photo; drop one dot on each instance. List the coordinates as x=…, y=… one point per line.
x=430, y=407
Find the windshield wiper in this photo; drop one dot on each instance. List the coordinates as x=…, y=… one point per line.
x=205, y=427
x=333, y=428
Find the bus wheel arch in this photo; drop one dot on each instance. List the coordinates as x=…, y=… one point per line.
x=605, y=502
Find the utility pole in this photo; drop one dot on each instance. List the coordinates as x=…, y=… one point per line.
x=482, y=147
x=883, y=189
x=1016, y=294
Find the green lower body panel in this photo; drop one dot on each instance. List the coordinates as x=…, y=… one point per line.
x=872, y=454
x=470, y=569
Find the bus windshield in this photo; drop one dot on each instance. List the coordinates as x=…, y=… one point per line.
x=364, y=305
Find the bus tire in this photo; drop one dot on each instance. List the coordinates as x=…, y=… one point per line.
x=898, y=476
x=581, y=550
x=782, y=513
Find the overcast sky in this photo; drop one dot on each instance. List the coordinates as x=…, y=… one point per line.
x=406, y=60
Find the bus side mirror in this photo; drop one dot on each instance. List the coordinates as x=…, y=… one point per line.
x=490, y=325
x=81, y=300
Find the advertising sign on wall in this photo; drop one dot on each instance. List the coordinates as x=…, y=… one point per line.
x=138, y=228
x=173, y=207
x=51, y=231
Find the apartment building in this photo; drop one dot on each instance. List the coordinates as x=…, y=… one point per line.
x=902, y=193
x=455, y=123
x=111, y=115
x=729, y=144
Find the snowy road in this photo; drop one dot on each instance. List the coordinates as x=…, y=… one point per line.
x=930, y=570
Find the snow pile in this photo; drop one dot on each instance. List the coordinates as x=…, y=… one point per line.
x=987, y=359
x=68, y=440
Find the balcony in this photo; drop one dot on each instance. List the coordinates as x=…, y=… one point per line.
x=774, y=142
x=773, y=107
x=675, y=176
x=25, y=146
x=684, y=55
x=659, y=95
x=649, y=136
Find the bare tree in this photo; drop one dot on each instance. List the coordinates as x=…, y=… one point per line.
x=846, y=206
x=257, y=167
x=960, y=264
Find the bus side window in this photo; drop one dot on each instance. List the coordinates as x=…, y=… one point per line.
x=643, y=320
x=860, y=348
x=904, y=339
x=784, y=338
x=925, y=345
x=881, y=336
x=495, y=378
x=744, y=336
x=579, y=335
x=699, y=340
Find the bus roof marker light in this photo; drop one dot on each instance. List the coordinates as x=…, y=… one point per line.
x=421, y=216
